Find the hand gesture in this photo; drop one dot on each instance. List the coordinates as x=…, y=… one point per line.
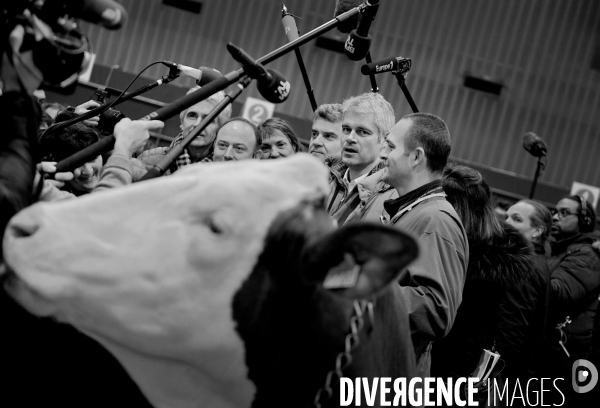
x=131, y=135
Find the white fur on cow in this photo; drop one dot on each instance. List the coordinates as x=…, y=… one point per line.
x=149, y=270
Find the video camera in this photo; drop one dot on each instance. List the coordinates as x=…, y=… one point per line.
x=52, y=42
x=110, y=117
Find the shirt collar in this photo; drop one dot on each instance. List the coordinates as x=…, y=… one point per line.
x=395, y=205
x=353, y=183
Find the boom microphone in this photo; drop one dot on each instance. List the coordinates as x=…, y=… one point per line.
x=534, y=144
x=359, y=41
x=108, y=13
x=165, y=112
x=289, y=25
x=208, y=75
x=271, y=84
x=202, y=76
x=386, y=65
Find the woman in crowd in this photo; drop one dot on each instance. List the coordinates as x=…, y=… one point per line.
x=278, y=139
x=500, y=291
x=534, y=221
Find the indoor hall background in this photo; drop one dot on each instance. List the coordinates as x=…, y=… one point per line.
x=541, y=51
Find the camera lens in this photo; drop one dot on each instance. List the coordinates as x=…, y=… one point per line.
x=108, y=120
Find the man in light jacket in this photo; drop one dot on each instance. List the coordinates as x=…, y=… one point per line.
x=414, y=157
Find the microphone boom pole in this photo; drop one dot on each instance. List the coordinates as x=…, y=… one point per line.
x=172, y=109
x=309, y=90
x=160, y=168
x=100, y=109
x=374, y=87
x=401, y=78
x=540, y=165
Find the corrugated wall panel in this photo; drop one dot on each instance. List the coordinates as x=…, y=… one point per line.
x=540, y=50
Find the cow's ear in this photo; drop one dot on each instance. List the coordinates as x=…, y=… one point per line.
x=358, y=260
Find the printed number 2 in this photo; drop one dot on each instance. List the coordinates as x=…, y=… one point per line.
x=258, y=114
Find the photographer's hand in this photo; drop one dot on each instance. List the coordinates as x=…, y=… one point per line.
x=83, y=108
x=49, y=167
x=131, y=135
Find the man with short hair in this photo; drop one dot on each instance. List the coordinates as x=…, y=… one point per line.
x=191, y=117
x=414, y=157
x=575, y=284
x=366, y=120
x=237, y=139
x=325, y=141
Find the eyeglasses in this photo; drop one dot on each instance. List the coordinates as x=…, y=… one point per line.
x=562, y=213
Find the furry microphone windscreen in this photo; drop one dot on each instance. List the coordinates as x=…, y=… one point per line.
x=341, y=6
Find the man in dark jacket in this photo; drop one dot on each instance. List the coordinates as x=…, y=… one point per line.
x=575, y=267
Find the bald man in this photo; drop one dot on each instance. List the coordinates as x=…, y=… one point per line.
x=237, y=139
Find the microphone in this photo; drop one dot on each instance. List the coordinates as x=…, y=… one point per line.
x=202, y=76
x=534, y=145
x=208, y=75
x=396, y=64
x=289, y=25
x=270, y=83
x=108, y=13
x=291, y=31
x=359, y=41
x=106, y=144
x=342, y=6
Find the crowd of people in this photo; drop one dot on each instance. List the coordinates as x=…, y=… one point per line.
x=524, y=284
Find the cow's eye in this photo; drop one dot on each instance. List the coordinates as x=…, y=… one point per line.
x=213, y=226
x=218, y=224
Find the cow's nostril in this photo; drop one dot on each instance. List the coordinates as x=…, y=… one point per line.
x=24, y=228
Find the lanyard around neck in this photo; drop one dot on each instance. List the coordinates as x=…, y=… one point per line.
x=414, y=204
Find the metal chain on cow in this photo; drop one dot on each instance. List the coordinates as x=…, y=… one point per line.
x=344, y=359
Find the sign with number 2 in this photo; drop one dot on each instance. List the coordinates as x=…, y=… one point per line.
x=257, y=110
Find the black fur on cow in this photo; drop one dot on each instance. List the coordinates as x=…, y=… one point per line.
x=293, y=328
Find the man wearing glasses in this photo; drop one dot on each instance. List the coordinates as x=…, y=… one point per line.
x=575, y=279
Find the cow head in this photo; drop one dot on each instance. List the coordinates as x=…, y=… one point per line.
x=150, y=270
x=293, y=327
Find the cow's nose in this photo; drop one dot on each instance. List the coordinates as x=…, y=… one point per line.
x=21, y=229
x=22, y=226
x=21, y=243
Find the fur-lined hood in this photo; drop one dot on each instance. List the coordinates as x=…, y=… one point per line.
x=505, y=260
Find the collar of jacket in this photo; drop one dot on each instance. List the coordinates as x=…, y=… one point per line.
x=395, y=205
x=507, y=259
x=177, y=140
x=559, y=247
x=339, y=170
